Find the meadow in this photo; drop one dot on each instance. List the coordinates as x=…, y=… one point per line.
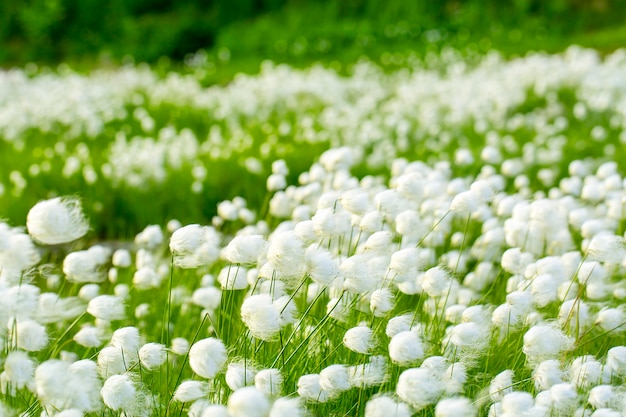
x=444, y=239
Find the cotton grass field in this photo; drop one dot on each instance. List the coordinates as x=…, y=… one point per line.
x=446, y=239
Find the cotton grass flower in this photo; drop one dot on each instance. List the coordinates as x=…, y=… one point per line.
x=19, y=370
x=369, y=374
x=564, y=398
x=287, y=407
x=194, y=245
x=245, y=249
x=606, y=247
x=406, y=348
x=120, y=393
x=335, y=379
x=58, y=220
x=28, y=335
x=151, y=237
x=419, y=387
x=189, y=391
x=146, y=278
x=437, y=282
x=208, y=298
x=86, y=266
x=17, y=253
x=547, y=374
x=586, y=372
x=269, y=381
x=152, y=355
x=89, y=336
x=260, y=316
x=248, y=402
x=544, y=342
x=385, y=406
x=309, y=388
x=207, y=357
x=604, y=396
x=517, y=403
x=501, y=385
x=455, y=407
x=239, y=374
x=121, y=258
x=111, y=361
x=233, y=277
x=107, y=307
x=616, y=361
x=359, y=339
x=381, y=302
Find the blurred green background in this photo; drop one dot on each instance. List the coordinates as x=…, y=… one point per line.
x=86, y=33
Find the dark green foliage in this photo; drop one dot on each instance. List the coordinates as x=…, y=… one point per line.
x=61, y=30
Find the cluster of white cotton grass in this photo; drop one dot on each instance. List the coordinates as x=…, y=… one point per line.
x=415, y=106
x=446, y=295
x=399, y=287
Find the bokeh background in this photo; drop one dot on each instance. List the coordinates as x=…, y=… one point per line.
x=88, y=33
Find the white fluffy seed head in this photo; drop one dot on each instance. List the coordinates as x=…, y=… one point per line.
x=50, y=382
x=381, y=301
x=547, y=374
x=585, y=372
x=406, y=348
x=239, y=374
x=501, y=385
x=564, y=398
x=86, y=265
x=309, y=388
x=466, y=202
x=152, y=355
x=334, y=379
x=208, y=298
x=19, y=369
x=603, y=396
x=215, y=410
x=180, y=346
x=419, y=387
x=287, y=407
x=194, y=245
x=151, y=237
x=269, y=381
x=119, y=393
x=574, y=314
x=359, y=339
x=122, y=258
x=606, y=247
x=517, y=403
x=369, y=374
x=127, y=339
x=190, y=390
x=207, y=357
x=89, y=336
x=543, y=342
x=436, y=282
x=111, y=361
x=58, y=220
x=107, y=307
x=30, y=335
x=616, y=361
x=399, y=324
x=260, y=316
x=322, y=266
x=385, y=406
x=233, y=277
x=455, y=407
x=469, y=335
x=245, y=249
